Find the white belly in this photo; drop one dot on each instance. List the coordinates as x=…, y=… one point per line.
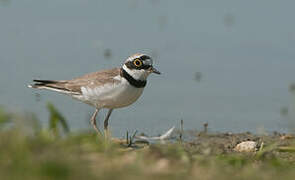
x=110, y=95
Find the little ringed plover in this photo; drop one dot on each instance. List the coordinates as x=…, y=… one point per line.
x=110, y=89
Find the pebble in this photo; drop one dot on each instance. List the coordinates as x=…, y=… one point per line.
x=246, y=146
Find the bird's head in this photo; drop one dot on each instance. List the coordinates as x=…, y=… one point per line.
x=139, y=66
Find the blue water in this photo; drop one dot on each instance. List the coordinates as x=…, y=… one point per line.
x=245, y=51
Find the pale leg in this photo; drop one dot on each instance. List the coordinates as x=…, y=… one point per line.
x=93, y=121
x=106, y=123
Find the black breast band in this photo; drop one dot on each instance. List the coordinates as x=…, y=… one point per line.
x=131, y=80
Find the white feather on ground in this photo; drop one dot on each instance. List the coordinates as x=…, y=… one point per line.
x=165, y=136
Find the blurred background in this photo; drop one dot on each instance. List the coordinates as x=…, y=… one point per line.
x=226, y=63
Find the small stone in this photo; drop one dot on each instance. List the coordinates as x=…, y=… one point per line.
x=246, y=146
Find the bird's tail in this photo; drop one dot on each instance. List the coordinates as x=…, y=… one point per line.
x=58, y=86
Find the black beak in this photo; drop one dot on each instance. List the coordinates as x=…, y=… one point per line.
x=154, y=70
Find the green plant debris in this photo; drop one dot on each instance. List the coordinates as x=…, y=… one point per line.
x=4, y=117
x=56, y=119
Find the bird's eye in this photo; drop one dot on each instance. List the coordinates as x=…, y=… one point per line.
x=137, y=62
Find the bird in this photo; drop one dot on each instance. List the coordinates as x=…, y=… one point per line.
x=106, y=89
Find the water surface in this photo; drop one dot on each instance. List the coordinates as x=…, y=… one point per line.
x=243, y=49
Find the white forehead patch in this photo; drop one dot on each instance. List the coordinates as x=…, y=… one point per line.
x=148, y=62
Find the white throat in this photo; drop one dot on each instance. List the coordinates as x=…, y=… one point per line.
x=137, y=74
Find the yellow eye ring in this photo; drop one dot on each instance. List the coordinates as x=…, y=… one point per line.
x=137, y=62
